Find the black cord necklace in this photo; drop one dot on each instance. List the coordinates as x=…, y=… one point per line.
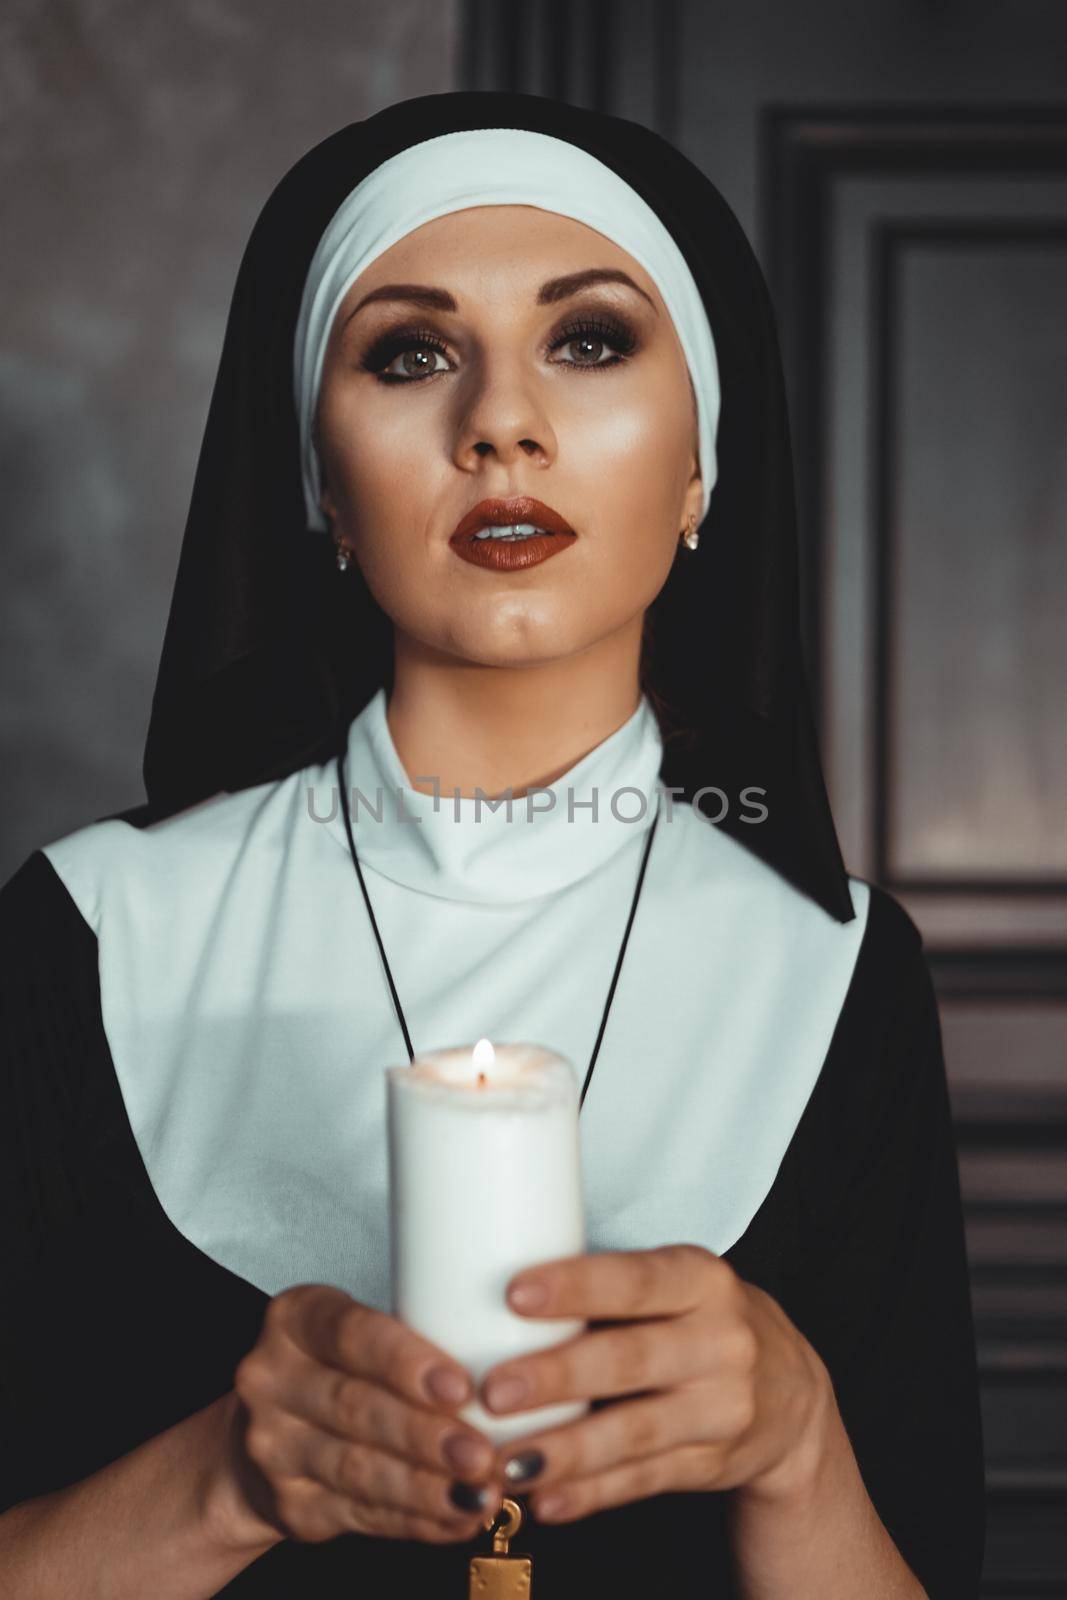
x=385, y=959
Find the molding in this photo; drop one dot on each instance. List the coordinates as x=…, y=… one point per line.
x=891, y=242
x=802, y=152
x=999, y=973
x=573, y=52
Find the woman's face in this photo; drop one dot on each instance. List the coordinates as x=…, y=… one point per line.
x=576, y=395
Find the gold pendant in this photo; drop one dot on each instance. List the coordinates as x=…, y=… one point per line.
x=500, y=1576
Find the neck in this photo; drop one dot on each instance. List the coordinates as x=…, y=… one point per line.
x=471, y=726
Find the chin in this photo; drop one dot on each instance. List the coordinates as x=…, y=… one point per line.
x=498, y=636
x=517, y=656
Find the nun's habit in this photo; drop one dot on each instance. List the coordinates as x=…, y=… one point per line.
x=194, y=1017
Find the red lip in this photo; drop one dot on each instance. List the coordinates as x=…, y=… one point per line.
x=506, y=557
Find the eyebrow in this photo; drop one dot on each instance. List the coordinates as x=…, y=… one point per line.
x=554, y=289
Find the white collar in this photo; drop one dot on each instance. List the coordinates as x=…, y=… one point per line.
x=462, y=849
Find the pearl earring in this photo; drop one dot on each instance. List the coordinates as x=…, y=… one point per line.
x=342, y=557
x=690, y=537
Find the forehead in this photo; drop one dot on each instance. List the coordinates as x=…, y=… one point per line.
x=509, y=249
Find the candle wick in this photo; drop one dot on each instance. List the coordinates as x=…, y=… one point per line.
x=481, y=1080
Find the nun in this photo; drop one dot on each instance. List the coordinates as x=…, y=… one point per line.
x=495, y=497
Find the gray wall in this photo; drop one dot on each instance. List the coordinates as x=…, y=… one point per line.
x=138, y=143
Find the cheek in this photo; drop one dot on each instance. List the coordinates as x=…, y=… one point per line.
x=633, y=454
x=386, y=483
x=371, y=451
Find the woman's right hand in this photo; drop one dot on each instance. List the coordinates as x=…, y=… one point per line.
x=344, y=1432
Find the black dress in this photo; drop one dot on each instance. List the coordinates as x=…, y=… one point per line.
x=116, y=1327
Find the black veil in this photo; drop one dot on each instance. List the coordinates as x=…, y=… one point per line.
x=269, y=654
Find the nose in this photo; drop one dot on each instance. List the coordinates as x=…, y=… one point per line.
x=503, y=414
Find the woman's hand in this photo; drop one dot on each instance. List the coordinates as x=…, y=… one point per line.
x=730, y=1394
x=345, y=1428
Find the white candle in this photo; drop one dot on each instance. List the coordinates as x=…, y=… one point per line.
x=484, y=1181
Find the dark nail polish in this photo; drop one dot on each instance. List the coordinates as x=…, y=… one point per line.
x=527, y=1464
x=468, y=1496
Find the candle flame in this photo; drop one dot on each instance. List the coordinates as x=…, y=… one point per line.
x=484, y=1054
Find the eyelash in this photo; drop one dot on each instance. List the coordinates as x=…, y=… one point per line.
x=386, y=349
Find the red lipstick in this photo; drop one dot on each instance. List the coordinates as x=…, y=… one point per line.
x=511, y=555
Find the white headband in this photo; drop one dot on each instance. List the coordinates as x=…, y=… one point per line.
x=493, y=166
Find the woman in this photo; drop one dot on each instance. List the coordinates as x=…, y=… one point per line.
x=464, y=562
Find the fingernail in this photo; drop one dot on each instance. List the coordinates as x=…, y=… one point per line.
x=466, y=1454
x=444, y=1383
x=528, y=1296
x=503, y=1394
x=527, y=1464
x=468, y=1496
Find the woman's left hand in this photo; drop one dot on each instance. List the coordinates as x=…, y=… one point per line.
x=730, y=1395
